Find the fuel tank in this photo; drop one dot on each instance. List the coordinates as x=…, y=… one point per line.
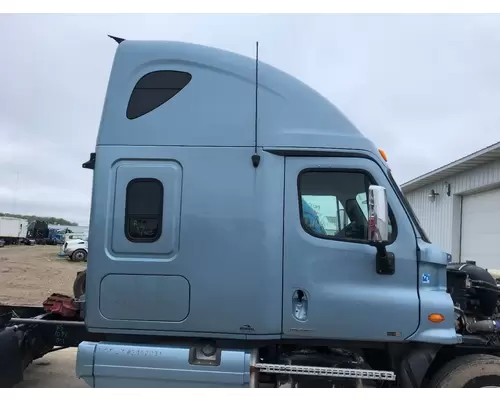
x=106, y=365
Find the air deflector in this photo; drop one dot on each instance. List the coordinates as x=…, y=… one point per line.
x=155, y=89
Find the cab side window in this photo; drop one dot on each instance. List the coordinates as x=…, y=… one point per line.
x=334, y=205
x=144, y=210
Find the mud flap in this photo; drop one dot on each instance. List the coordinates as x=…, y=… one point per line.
x=11, y=363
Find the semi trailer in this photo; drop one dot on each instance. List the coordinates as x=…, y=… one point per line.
x=209, y=265
x=13, y=230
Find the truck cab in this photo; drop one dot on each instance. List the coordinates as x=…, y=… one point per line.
x=238, y=213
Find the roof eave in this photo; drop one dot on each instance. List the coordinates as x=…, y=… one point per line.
x=483, y=156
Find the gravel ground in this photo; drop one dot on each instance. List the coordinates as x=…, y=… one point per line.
x=55, y=370
x=28, y=275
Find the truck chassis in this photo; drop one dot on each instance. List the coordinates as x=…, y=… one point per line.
x=28, y=333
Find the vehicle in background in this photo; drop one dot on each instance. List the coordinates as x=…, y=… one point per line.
x=76, y=249
x=65, y=230
x=75, y=236
x=41, y=233
x=38, y=231
x=2, y=243
x=56, y=236
x=13, y=230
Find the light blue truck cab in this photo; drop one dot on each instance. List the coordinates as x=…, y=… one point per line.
x=231, y=236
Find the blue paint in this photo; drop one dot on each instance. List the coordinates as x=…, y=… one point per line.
x=232, y=250
x=434, y=298
x=111, y=365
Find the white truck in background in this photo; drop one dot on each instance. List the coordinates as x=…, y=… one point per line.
x=12, y=230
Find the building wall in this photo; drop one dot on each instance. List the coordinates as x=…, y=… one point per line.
x=441, y=218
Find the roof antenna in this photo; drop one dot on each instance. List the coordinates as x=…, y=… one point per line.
x=116, y=39
x=255, y=156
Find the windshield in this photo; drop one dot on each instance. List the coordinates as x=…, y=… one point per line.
x=410, y=211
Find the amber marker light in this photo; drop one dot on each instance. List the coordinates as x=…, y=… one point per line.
x=436, y=318
x=382, y=153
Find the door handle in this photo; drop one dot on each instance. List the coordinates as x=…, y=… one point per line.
x=300, y=304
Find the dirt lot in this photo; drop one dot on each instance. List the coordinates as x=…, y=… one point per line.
x=28, y=274
x=55, y=370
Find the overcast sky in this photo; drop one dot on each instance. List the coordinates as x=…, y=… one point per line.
x=424, y=88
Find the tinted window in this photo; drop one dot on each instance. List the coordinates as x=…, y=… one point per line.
x=155, y=89
x=144, y=210
x=333, y=204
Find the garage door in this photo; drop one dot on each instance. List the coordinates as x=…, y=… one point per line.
x=481, y=229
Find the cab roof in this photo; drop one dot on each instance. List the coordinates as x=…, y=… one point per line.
x=209, y=100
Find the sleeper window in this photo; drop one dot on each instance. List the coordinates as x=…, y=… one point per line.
x=144, y=210
x=155, y=89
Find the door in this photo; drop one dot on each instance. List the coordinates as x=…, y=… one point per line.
x=331, y=288
x=481, y=229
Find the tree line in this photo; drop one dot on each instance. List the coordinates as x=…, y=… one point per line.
x=48, y=220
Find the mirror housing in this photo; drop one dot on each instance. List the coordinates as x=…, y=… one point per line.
x=378, y=214
x=378, y=229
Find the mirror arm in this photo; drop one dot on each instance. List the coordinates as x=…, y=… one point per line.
x=385, y=261
x=381, y=248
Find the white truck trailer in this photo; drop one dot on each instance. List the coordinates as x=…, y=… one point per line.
x=13, y=229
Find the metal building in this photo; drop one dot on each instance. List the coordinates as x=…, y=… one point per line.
x=458, y=206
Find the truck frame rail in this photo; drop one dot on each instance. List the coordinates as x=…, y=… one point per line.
x=28, y=333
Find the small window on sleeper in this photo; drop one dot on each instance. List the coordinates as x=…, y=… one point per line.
x=144, y=210
x=155, y=89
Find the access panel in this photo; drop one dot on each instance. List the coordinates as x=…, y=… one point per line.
x=145, y=228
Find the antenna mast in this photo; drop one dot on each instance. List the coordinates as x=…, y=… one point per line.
x=255, y=156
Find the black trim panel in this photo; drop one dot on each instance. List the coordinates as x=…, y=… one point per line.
x=317, y=153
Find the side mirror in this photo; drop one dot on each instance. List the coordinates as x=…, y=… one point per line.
x=378, y=229
x=378, y=214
